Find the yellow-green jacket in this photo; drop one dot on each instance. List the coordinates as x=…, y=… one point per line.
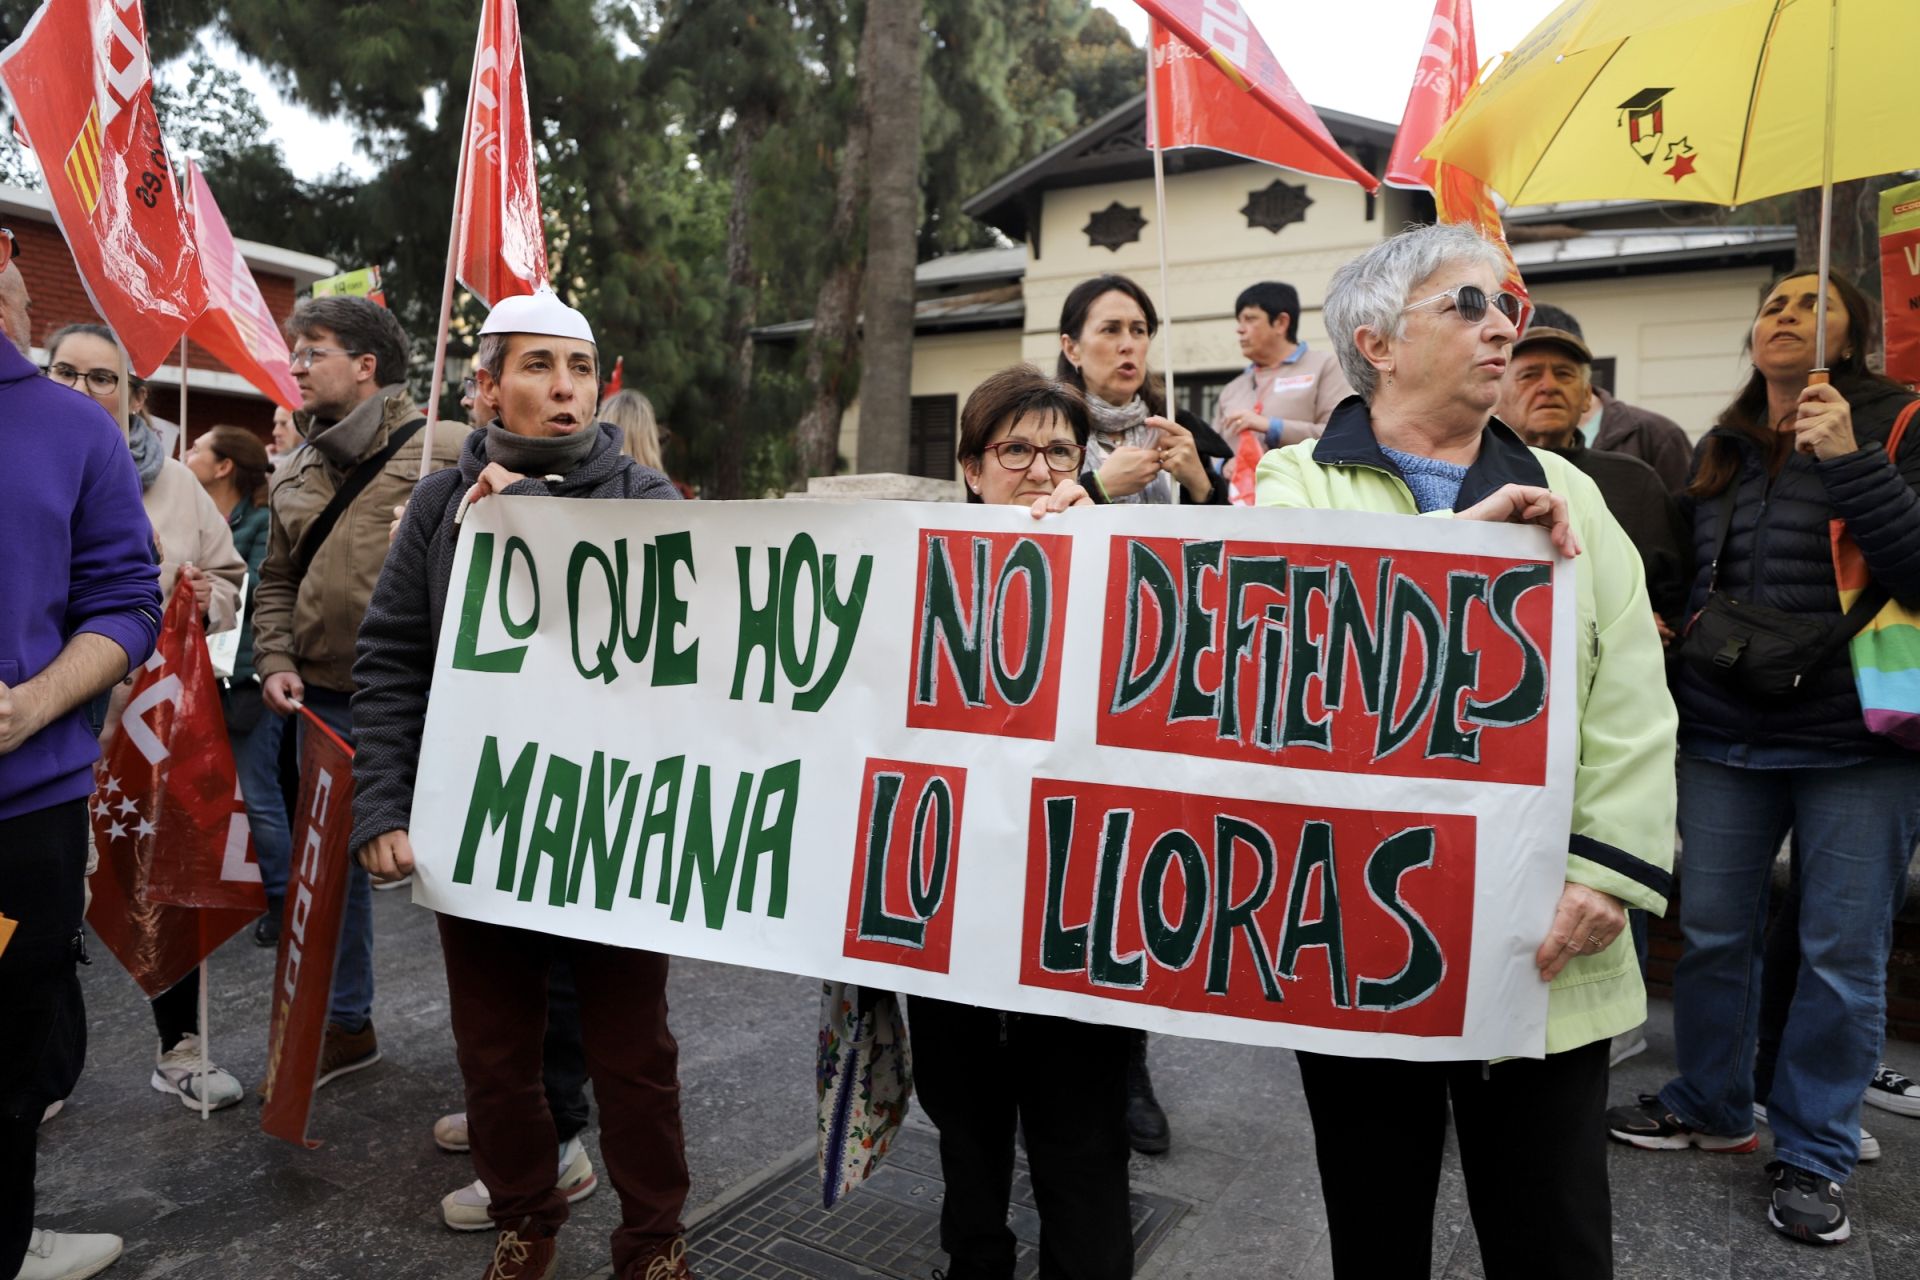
x=1623, y=787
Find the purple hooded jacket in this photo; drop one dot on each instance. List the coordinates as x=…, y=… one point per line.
x=75, y=555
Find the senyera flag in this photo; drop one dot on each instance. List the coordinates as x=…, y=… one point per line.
x=1449, y=66
x=82, y=93
x=236, y=327
x=500, y=249
x=310, y=931
x=1217, y=85
x=177, y=877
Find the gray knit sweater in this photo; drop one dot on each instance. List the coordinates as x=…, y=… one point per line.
x=393, y=666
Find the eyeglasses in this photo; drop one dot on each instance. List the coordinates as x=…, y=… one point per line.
x=99, y=381
x=1017, y=455
x=1470, y=300
x=305, y=356
x=469, y=388
x=9, y=247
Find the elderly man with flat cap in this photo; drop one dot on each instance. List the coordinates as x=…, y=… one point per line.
x=538, y=360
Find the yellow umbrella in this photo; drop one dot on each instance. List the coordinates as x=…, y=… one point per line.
x=1720, y=101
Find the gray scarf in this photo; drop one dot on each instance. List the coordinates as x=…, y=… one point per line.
x=539, y=455
x=1126, y=424
x=148, y=456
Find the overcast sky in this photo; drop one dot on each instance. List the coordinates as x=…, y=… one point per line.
x=1338, y=59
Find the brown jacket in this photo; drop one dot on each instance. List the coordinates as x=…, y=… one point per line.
x=1658, y=441
x=309, y=625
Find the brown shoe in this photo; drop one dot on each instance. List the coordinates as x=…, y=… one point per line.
x=344, y=1052
x=669, y=1263
x=523, y=1257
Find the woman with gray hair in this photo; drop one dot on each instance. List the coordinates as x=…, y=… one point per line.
x=1423, y=332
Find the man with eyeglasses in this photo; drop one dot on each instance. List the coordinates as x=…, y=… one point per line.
x=81, y=608
x=326, y=545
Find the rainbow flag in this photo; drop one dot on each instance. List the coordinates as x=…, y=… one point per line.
x=1886, y=652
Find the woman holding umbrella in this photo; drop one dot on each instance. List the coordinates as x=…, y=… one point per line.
x=1787, y=458
x=1423, y=332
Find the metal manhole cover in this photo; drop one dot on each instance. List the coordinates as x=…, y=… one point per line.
x=889, y=1228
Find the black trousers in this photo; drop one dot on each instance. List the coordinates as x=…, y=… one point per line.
x=43, y=870
x=977, y=1072
x=1533, y=1147
x=563, y=1057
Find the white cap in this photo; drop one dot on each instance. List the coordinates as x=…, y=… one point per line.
x=538, y=312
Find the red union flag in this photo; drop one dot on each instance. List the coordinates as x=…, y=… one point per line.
x=500, y=250
x=236, y=327
x=1217, y=85
x=82, y=93
x=1446, y=74
x=176, y=878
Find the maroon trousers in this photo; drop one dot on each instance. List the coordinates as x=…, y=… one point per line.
x=497, y=982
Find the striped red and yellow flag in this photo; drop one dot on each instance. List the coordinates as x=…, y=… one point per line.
x=83, y=161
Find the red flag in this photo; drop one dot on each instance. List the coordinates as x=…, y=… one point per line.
x=1448, y=68
x=500, y=250
x=175, y=878
x=310, y=934
x=612, y=388
x=82, y=91
x=236, y=327
x=1217, y=85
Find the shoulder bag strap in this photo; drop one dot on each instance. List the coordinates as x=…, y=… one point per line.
x=1729, y=499
x=317, y=533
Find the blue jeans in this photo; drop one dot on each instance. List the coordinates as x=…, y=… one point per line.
x=353, y=971
x=1856, y=826
x=256, y=754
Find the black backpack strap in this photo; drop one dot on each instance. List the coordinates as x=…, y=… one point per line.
x=316, y=534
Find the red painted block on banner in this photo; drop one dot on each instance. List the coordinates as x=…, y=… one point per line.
x=989, y=627
x=905, y=862
x=1349, y=919
x=310, y=933
x=1417, y=664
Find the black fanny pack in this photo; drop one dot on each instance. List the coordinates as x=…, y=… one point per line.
x=1761, y=652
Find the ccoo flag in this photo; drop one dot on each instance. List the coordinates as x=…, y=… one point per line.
x=1442, y=81
x=236, y=327
x=1219, y=86
x=500, y=248
x=82, y=92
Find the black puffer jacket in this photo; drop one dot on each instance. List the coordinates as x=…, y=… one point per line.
x=1779, y=554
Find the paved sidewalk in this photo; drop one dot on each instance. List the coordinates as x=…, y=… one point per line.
x=220, y=1201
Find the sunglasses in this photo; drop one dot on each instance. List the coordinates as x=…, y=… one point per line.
x=9, y=248
x=1471, y=301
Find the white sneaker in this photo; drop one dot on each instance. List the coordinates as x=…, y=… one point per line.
x=1627, y=1044
x=381, y=886
x=54, y=1255
x=1869, y=1145
x=466, y=1208
x=177, y=1071
x=450, y=1133
x=1891, y=1091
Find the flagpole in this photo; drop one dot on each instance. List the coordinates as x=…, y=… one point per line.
x=206, y=1051
x=453, y=246
x=1160, y=211
x=182, y=444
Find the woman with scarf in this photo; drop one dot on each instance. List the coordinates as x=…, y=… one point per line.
x=195, y=551
x=1136, y=452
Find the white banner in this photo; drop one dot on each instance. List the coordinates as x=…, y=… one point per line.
x=1277, y=777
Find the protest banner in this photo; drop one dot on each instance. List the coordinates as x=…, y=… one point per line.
x=1900, y=280
x=310, y=931
x=1278, y=777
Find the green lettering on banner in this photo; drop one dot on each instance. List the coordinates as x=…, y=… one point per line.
x=1410, y=605
x=759, y=624
x=604, y=668
x=772, y=836
x=1230, y=917
x=1104, y=968
x=715, y=867
x=876, y=923
x=944, y=626
x=554, y=820
x=1528, y=697
x=594, y=849
x=1027, y=558
x=936, y=805
x=673, y=666
x=661, y=823
x=1196, y=636
x=1243, y=574
x=1273, y=664
x=497, y=803
x=1397, y=855
x=466, y=649
x=1459, y=671
x=1305, y=661
x=1145, y=569
x=1316, y=853
x=1062, y=949
x=801, y=554
x=844, y=612
x=636, y=639
x=1173, y=945
x=1348, y=631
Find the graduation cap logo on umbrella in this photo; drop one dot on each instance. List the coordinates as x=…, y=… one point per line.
x=1645, y=116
